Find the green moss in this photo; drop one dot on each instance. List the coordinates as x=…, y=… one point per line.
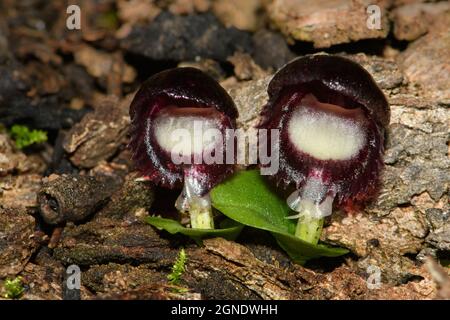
x=25, y=137
x=13, y=288
x=178, y=268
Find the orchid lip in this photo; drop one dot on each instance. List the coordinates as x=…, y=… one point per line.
x=171, y=132
x=325, y=135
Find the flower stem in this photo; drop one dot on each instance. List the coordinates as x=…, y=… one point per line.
x=198, y=207
x=201, y=217
x=313, y=203
x=309, y=229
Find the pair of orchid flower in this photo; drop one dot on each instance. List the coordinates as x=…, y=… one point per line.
x=330, y=115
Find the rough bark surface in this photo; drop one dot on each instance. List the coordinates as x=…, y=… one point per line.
x=326, y=23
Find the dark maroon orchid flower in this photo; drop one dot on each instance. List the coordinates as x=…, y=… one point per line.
x=332, y=117
x=179, y=122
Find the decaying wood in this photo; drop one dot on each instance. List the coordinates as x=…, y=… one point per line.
x=220, y=269
x=99, y=134
x=18, y=240
x=413, y=20
x=134, y=195
x=71, y=198
x=326, y=23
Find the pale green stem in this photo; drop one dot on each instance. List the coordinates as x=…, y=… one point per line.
x=201, y=217
x=313, y=203
x=309, y=229
x=198, y=207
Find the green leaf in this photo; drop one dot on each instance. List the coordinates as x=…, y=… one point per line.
x=301, y=251
x=230, y=229
x=248, y=199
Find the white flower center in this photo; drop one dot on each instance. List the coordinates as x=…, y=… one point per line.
x=325, y=135
x=186, y=134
